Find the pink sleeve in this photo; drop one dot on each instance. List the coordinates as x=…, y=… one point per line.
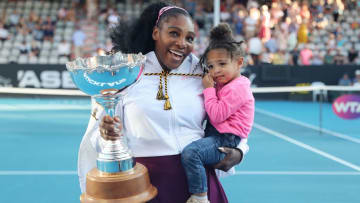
x=220, y=107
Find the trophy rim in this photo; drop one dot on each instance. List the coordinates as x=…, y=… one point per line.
x=90, y=64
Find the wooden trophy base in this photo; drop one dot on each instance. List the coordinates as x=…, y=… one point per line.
x=131, y=186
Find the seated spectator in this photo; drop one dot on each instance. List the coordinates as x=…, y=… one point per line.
x=4, y=33
x=78, y=39
x=281, y=58
x=339, y=58
x=272, y=44
x=255, y=48
x=357, y=78
x=48, y=32
x=340, y=41
x=266, y=56
x=303, y=34
x=345, y=80
x=251, y=23
x=305, y=55
x=331, y=43
x=38, y=33
x=61, y=14
x=291, y=41
x=23, y=48
x=14, y=18
x=317, y=60
x=34, y=49
x=294, y=56
x=64, y=49
x=328, y=58
x=352, y=55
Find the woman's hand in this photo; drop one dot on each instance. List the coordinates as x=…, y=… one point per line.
x=110, y=128
x=232, y=158
x=208, y=81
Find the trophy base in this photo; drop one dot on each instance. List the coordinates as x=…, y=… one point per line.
x=131, y=186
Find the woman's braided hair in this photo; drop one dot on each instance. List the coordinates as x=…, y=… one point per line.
x=136, y=36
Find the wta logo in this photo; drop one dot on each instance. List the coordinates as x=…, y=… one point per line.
x=347, y=106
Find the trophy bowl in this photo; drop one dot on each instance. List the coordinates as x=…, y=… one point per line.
x=117, y=178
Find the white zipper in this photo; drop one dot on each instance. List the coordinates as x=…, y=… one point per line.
x=173, y=120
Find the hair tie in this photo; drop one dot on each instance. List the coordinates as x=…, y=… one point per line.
x=166, y=8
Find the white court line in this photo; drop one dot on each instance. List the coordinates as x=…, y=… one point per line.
x=308, y=147
x=46, y=107
x=290, y=120
x=330, y=173
x=18, y=173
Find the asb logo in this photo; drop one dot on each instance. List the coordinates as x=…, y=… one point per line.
x=347, y=106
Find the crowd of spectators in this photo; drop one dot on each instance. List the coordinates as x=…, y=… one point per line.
x=281, y=32
x=289, y=32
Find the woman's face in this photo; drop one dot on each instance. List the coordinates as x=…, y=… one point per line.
x=174, y=40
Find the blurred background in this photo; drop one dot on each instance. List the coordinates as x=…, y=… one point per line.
x=302, y=56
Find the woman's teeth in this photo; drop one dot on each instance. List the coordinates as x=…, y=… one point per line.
x=176, y=54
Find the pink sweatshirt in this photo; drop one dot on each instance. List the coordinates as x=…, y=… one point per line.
x=231, y=107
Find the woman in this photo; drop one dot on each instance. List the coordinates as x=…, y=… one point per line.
x=158, y=130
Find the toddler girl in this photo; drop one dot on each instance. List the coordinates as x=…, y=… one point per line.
x=229, y=104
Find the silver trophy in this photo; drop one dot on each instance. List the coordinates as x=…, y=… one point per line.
x=103, y=78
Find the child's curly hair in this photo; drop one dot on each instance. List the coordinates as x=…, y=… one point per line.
x=221, y=38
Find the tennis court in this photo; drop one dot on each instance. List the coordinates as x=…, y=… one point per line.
x=290, y=160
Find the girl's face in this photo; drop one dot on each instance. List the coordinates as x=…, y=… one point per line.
x=174, y=41
x=221, y=67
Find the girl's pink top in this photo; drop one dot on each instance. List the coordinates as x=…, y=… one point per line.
x=231, y=107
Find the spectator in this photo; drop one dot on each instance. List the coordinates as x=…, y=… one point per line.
x=291, y=41
x=64, y=49
x=331, y=43
x=38, y=33
x=14, y=18
x=78, y=39
x=113, y=18
x=251, y=23
x=357, y=78
x=272, y=44
x=345, y=80
x=340, y=41
x=305, y=55
x=303, y=33
x=294, y=56
x=279, y=58
x=339, y=58
x=317, y=59
x=61, y=14
x=23, y=48
x=48, y=32
x=4, y=33
x=255, y=48
x=34, y=49
x=266, y=56
x=265, y=32
x=352, y=55
x=328, y=58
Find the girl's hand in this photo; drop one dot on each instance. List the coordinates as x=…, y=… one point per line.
x=110, y=128
x=208, y=81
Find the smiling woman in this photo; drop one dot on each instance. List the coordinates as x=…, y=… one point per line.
x=157, y=132
x=174, y=40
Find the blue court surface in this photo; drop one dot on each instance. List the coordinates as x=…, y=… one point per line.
x=292, y=158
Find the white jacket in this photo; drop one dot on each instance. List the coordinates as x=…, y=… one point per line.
x=150, y=130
